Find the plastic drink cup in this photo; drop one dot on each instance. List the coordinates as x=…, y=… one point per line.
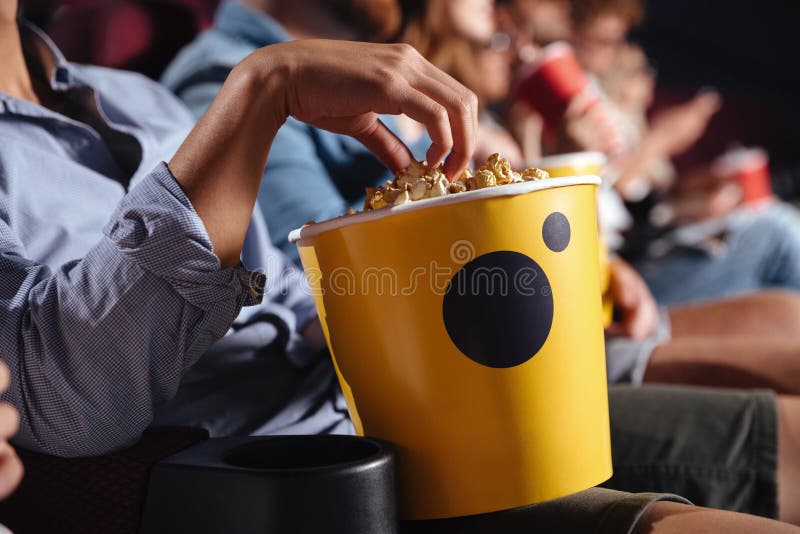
x=553, y=81
x=749, y=167
x=466, y=330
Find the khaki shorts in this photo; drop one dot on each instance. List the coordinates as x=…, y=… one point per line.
x=718, y=448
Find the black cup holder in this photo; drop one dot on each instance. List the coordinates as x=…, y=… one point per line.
x=280, y=484
x=309, y=452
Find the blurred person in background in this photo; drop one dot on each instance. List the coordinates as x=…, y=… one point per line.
x=600, y=30
x=646, y=344
x=741, y=250
x=548, y=20
x=531, y=25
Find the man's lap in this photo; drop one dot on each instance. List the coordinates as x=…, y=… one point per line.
x=717, y=448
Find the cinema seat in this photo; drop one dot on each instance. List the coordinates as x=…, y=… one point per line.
x=98, y=494
x=142, y=35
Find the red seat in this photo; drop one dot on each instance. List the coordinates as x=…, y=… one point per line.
x=141, y=35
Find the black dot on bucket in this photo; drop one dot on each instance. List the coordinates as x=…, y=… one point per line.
x=498, y=309
x=556, y=231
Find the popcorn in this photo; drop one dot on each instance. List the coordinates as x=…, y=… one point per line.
x=419, y=181
x=483, y=178
x=374, y=200
x=402, y=198
x=501, y=169
x=532, y=173
x=421, y=189
x=456, y=187
x=415, y=171
x=440, y=187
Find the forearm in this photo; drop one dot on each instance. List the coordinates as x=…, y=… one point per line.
x=221, y=163
x=640, y=162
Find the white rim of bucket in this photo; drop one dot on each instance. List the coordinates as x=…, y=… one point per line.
x=507, y=190
x=573, y=159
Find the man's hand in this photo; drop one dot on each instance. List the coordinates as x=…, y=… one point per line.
x=10, y=466
x=698, y=196
x=341, y=86
x=633, y=298
x=588, y=126
x=336, y=85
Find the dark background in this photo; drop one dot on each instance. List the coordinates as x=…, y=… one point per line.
x=746, y=49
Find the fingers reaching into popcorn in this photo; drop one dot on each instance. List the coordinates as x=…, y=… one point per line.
x=420, y=181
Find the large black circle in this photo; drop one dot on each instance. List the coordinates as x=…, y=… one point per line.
x=498, y=309
x=556, y=231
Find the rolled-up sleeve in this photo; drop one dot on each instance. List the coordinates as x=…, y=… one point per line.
x=95, y=346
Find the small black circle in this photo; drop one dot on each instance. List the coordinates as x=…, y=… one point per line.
x=498, y=309
x=556, y=231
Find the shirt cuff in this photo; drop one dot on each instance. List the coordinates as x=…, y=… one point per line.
x=156, y=226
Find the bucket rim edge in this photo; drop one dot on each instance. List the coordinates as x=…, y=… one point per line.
x=507, y=190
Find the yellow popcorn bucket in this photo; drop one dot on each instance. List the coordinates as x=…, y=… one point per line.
x=467, y=331
x=585, y=164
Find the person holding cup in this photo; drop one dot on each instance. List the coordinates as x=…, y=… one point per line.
x=723, y=247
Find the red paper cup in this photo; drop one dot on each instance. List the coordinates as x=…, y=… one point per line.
x=553, y=81
x=749, y=167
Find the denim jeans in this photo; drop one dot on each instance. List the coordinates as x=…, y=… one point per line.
x=762, y=250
